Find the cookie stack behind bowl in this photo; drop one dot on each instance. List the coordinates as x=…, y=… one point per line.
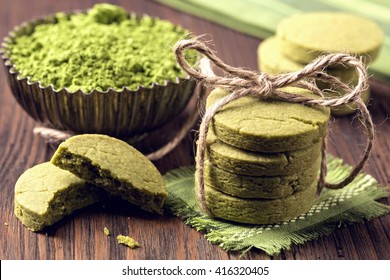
x=263, y=158
x=302, y=38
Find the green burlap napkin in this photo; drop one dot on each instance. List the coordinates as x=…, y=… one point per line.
x=335, y=208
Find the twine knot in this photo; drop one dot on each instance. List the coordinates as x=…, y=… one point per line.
x=241, y=82
x=265, y=84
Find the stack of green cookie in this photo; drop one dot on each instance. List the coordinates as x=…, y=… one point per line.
x=302, y=38
x=263, y=158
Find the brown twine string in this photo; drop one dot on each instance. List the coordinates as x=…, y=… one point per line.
x=55, y=135
x=241, y=82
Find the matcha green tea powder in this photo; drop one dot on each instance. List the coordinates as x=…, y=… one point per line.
x=101, y=49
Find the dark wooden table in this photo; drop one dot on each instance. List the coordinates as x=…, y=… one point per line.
x=80, y=236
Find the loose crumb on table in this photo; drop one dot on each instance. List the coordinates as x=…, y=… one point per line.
x=127, y=240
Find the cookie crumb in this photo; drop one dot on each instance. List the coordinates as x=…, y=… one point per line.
x=6, y=224
x=127, y=240
x=106, y=231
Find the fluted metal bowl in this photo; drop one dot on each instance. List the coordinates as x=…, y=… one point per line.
x=121, y=113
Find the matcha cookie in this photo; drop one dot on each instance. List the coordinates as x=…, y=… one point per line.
x=265, y=187
x=350, y=108
x=306, y=36
x=259, y=211
x=268, y=126
x=115, y=166
x=259, y=164
x=271, y=60
x=45, y=193
x=251, y=163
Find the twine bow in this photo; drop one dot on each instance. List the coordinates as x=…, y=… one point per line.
x=241, y=82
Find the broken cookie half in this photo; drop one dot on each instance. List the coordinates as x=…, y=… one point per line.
x=115, y=166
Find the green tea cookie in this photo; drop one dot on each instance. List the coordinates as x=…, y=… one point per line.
x=268, y=126
x=350, y=108
x=262, y=164
x=271, y=60
x=44, y=194
x=115, y=166
x=306, y=36
x=259, y=211
x=269, y=187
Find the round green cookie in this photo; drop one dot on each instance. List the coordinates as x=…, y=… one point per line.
x=268, y=187
x=262, y=164
x=115, y=166
x=268, y=126
x=306, y=36
x=350, y=108
x=271, y=60
x=44, y=194
x=259, y=211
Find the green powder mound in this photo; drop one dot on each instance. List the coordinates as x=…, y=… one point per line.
x=101, y=49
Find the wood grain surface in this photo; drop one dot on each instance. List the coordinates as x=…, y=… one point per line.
x=80, y=236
